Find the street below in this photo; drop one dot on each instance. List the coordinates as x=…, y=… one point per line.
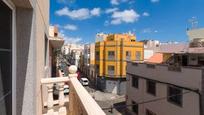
x=108, y=100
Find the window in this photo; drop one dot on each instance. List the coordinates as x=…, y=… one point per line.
x=111, y=55
x=46, y=44
x=135, y=82
x=6, y=56
x=135, y=107
x=151, y=87
x=97, y=55
x=148, y=112
x=97, y=52
x=97, y=68
x=111, y=70
x=128, y=55
x=138, y=55
x=55, y=34
x=175, y=95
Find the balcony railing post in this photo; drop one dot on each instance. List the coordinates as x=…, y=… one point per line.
x=72, y=99
x=50, y=96
x=50, y=99
x=61, y=94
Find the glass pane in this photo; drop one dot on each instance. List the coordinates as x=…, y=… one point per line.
x=5, y=59
x=5, y=83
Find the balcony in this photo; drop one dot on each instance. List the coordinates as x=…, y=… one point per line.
x=78, y=102
x=56, y=42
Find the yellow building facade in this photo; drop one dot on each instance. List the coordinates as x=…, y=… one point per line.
x=112, y=53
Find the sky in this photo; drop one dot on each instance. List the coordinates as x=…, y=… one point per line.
x=165, y=20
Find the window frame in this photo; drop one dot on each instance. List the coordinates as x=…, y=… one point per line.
x=180, y=104
x=111, y=55
x=97, y=55
x=149, y=87
x=10, y=4
x=135, y=108
x=140, y=55
x=112, y=70
x=135, y=84
x=128, y=55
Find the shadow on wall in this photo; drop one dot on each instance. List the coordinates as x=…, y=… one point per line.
x=25, y=51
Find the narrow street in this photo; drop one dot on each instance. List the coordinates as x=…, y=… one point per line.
x=108, y=100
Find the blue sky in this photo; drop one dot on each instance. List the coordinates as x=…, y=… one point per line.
x=164, y=20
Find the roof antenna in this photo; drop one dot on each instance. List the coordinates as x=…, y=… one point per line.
x=194, y=22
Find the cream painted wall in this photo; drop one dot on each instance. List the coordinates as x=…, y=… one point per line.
x=42, y=30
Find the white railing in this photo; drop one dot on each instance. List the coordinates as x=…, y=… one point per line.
x=80, y=101
x=49, y=83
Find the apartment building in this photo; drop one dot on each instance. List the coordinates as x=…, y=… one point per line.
x=73, y=52
x=111, y=55
x=55, y=44
x=88, y=66
x=152, y=47
x=24, y=30
x=174, y=87
x=25, y=61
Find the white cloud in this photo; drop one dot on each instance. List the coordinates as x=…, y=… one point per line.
x=146, y=14
x=70, y=27
x=117, y=2
x=73, y=39
x=114, y=2
x=154, y=1
x=111, y=10
x=95, y=12
x=116, y=21
x=155, y=31
x=80, y=14
x=66, y=1
x=149, y=30
x=127, y=16
x=106, y=23
x=69, y=39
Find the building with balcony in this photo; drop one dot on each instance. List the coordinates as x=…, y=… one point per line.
x=26, y=84
x=55, y=44
x=73, y=52
x=88, y=66
x=173, y=87
x=111, y=55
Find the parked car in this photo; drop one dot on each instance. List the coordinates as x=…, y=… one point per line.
x=84, y=81
x=66, y=89
x=56, y=91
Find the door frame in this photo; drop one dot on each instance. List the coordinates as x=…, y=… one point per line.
x=12, y=7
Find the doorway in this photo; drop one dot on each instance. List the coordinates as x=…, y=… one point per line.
x=5, y=59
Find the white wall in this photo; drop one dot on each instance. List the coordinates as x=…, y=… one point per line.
x=148, y=54
x=163, y=107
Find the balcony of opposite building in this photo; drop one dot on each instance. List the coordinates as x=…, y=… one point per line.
x=54, y=38
x=78, y=102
